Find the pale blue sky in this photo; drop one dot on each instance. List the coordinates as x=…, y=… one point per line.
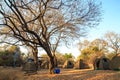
x=110, y=22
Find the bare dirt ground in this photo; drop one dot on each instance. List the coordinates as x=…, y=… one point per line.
x=66, y=74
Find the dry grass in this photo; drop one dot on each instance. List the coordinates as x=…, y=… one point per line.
x=66, y=74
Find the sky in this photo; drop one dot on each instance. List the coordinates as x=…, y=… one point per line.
x=110, y=22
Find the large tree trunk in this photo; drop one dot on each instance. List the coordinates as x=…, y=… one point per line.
x=35, y=55
x=51, y=60
x=55, y=60
x=51, y=66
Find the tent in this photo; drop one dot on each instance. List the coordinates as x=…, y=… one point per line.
x=101, y=63
x=81, y=64
x=115, y=62
x=29, y=66
x=68, y=64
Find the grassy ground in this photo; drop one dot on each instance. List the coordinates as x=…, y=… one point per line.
x=66, y=74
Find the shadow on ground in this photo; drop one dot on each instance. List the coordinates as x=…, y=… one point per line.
x=66, y=74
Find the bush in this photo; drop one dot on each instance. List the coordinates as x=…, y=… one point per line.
x=6, y=59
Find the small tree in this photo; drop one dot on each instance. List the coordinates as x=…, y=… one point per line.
x=114, y=41
x=68, y=56
x=93, y=49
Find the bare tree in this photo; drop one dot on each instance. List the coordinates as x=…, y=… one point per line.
x=46, y=23
x=83, y=45
x=100, y=44
x=113, y=40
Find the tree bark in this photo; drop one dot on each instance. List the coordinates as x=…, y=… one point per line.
x=35, y=55
x=55, y=60
x=52, y=65
x=47, y=48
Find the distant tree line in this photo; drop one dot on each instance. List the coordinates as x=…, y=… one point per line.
x=109, y=46
x=61, y=57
